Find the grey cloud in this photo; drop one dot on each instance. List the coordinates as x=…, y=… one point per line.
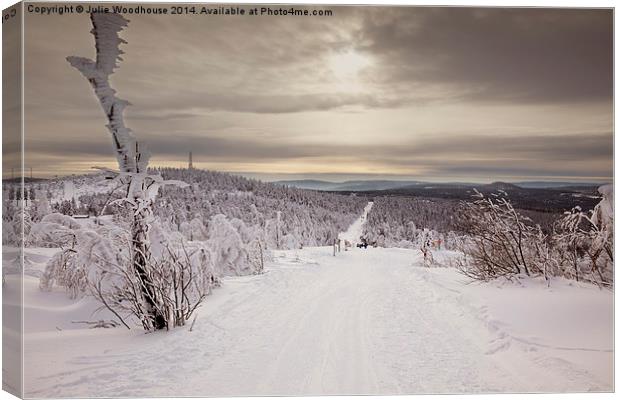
x=497, y=54
x=277, y=65
x=204, y=147
x=541, y=154
x=583, y=146
x=227, y=90
x=583, y=155
x=164, y=116
x=272, y=104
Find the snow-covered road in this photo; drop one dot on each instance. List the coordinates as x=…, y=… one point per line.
x=355, y=231
x=367, y=321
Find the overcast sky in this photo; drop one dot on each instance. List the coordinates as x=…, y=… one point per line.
x=440, y=94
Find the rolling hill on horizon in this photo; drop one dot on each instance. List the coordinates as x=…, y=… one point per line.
x=370, y=185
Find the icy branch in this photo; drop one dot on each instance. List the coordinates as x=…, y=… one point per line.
x=131, y=156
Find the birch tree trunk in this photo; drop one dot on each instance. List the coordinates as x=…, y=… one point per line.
x=132, y=159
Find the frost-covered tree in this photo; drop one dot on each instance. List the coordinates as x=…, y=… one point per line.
x=256, y=256
x=231, y=256
x=409, y=222
x=584, y=241
x=72, y=267
x=306, y=218
x=180, y=280
x=141, y=186
x=66, y=207
x=40, y=207
x=11, y=230
x=54, y=230
x=502, y=241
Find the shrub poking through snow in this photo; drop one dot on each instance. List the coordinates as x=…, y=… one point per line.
x=584, y=241
x=62, y=270
x=180, y=280
x=54, y=230
x=503, y=243
x=98, y=262
x=86, y=251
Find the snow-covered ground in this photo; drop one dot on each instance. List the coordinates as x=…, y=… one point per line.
x=366, y=321
x=354, y=233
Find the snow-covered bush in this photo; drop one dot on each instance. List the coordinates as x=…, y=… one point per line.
x=11, y=221
x=62, y=269
x=54, y=230
x=503, y=243
x=256, y=256
x=73, y=266
x=9, y=236
x=17, y=226
x=231, y=257
x=180, y=281
x=40, y=206
x=193, y=230
x=584, y=241
x=98, y=260
x=60, y=219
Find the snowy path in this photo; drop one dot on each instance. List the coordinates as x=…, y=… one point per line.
x=363, y=322
x=353, y=234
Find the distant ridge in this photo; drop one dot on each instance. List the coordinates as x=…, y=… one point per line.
x=349, y=186
x=551, y=185
x=311, y=184
x=370, y=185
x=502, y=186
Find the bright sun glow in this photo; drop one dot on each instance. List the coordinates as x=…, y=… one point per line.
x=347, y=65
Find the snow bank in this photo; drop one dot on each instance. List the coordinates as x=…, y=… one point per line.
x=565, y=325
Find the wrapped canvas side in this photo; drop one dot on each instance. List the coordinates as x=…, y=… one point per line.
x=13, y=202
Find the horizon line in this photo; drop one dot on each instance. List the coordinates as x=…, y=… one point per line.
x=323, y=177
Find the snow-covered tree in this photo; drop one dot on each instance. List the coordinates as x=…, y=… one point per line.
x=72, y=267
x=54, y=230
x=408, y=222
x=502, y=241
x=231, y=257
x=40, y=207
x=180, y=280
x=584, y=241
x=257, y=256
x=131, y=155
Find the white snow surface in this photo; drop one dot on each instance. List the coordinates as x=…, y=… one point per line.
x=367, y=321
x=354, y=233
